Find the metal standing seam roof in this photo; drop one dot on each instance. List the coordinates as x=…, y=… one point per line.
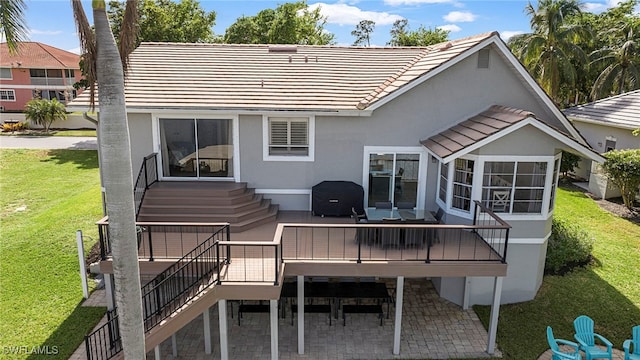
x=619, y=111
x=475, y=129
x=251, y=77
x=35, y=55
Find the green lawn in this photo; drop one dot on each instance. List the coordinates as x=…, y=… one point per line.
x=608, y=291
x=45, y=196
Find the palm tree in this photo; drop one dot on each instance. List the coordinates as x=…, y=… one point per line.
x=12, y=23
x=620, y=63
x=105, y=63
x=44, y=112
x=549, y=52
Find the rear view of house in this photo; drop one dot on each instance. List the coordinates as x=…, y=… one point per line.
x=457, y=128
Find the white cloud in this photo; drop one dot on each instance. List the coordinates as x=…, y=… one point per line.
x=460, y=16
x=450, y=27
x=76, y=50
x=414, y=2
x=508, y=34
x=343, y=14
x=44, y=32
x=594, y=7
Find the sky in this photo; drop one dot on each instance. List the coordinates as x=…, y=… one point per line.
x=51, y=21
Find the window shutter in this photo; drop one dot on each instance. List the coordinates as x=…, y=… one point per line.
x=299, y=133
x=278, y=133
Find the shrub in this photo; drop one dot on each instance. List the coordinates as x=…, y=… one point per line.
x=622, y=167
x=11, y=127
x=569, y=247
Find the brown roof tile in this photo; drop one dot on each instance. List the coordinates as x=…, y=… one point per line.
x=473, y=130
x=35, y=55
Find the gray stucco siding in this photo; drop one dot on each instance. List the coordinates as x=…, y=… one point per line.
x=596, y=136
x=141, y=139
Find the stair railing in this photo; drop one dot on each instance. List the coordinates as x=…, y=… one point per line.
x=147, y=175
x=167, y=292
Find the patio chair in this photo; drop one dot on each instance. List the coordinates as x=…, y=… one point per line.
x=383, y=205
x=405, y=205
x=362, y=234
x=556, y=353
x=632, y=346
x=585, y=336
x=390, y=237
x=414, y=237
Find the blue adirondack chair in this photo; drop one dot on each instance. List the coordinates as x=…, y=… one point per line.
x=555, y=348
x=587, y=339
x=632, y=343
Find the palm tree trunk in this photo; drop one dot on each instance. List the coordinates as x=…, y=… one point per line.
x=623, y=74
x=116, y=162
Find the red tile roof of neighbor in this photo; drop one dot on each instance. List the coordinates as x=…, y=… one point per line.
x=35, y=55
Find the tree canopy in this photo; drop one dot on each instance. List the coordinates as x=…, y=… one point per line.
x=363, y=32
x=166, y=21
x=289, y=23
x=401, y=35
x=13, y=26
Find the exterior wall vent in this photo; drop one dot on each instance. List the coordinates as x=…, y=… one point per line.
x=483, y=59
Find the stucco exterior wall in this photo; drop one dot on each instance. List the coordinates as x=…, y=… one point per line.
x=74, y=121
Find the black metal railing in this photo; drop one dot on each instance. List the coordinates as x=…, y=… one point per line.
x=184, y=279
x=252, y=261
x=167, y=292
x=147, y=175
x=105, y=342
x=160, y=240
x=484, y=240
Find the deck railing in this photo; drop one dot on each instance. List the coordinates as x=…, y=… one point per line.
x=147, y=175
x=161, y=240
x=167, y=292
x=484, y=240
x=252, y=261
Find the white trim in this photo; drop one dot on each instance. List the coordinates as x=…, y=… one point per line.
x=538, y=125
x=528, y=241
x=604, y=123
x=422, y=166
x=284, y=191
x=41, y=87
x=9, y=91
x=311, y=128
x=156, y=143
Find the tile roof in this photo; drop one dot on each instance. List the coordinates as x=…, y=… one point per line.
x=35, y=55
x=269, y=77
x=619, y=111
x=475, y=129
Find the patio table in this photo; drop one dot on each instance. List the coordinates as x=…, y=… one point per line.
x=402, y=237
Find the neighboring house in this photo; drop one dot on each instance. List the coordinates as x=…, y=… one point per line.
x=438, y=126
x=36, y=71
x=606, y=124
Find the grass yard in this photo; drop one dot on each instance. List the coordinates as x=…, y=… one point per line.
x=46, y=195
x=608, y=291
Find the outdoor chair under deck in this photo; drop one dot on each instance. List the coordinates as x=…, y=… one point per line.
x=586, y=337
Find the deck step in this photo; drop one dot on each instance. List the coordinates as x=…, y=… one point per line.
x=191, y=201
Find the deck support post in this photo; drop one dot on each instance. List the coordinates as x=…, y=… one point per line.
x=495, y=311
x=466, y=293
x=108, y=287
x=222, y=319
x=207, y=331
x=300, y=302
x=156, y=352
x=397, y=327
x=274, y=315
x=174, y=345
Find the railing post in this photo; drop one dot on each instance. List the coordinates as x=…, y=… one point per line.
x=103, y=252
x=228, y=247
x=506, y=241
x=276, y=263
x=87, y=347
x=433, y=235
x=150, y=243
x=359, y=260
x=218, y=261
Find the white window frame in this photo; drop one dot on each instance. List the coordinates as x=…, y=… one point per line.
x=266, y=130
x=8, y=91
x=476, y=193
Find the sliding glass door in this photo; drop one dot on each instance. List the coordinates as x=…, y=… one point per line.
x=197, y=148
x=393, y=177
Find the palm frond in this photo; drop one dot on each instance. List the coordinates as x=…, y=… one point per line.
x=89, y=48
x=12, y=23
x=129, y=32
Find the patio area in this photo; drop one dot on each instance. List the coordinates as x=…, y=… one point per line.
x=432, y=328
